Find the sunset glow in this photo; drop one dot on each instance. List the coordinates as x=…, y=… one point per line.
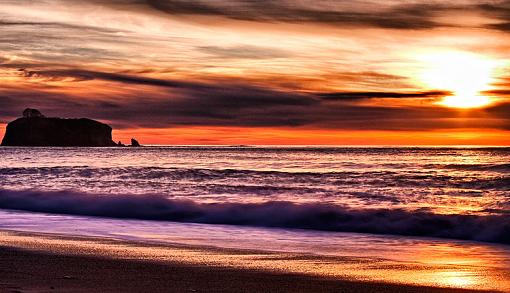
x=465, y=75
x=254, y=146
x=333, y=67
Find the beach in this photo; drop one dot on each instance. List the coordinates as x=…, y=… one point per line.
x=29, y=263
x=254, y=219
x=254, y=146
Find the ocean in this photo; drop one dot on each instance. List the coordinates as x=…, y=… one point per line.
x=409, y=205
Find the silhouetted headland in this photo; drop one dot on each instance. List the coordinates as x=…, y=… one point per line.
x=34, y=129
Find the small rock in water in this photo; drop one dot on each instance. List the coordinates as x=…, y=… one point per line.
x=135, y=143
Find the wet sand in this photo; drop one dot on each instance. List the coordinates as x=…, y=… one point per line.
x=30, y=271
x=32, y=262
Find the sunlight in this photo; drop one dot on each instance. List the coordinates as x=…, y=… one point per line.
x=464, y=74
x=457, y=279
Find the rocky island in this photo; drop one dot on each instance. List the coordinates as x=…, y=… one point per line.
x=34, y=129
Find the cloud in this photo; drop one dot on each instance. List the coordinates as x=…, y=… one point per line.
x=498, y=11
x=53, y=43
x=161, y=103
x=498, y=92
x=402, y=15
x=370, y=95
x=81, y=75
x=244, y=52
x=502, y=92
x=56, y=25
x=328, y=12
x=231, y=94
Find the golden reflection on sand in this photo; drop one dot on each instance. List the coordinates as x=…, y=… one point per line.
x=461, y=269
x=458, y=279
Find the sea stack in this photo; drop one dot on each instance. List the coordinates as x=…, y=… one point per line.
x=135, y=143
x=34, y=129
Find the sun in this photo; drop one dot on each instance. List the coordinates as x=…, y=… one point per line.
x=466, y=75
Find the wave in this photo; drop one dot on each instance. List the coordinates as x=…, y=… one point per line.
x=504, y=168
x=158, y=172
x=318, y=216
x=251, y=178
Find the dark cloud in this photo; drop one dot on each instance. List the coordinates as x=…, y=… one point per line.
x=498, y=92
x=232, y=94
x=46, y=25
x=184, y=102
x=370, y=95
x=404, y=16
x=81, y=75
x=500, y=110
x=496, y=10
x=233, y=103
x=502, y=26
x=252, y=111
x=217, y=109
x=16, y=23
x=501, y=88
x=354, y=14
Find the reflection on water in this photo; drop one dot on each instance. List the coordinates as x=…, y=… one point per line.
x=393, y=259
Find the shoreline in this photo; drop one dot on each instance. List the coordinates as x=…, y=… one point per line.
x=40, y=262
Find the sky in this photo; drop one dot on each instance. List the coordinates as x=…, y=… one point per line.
x=300, y=72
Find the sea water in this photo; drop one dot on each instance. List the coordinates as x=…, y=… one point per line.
x=430, y=206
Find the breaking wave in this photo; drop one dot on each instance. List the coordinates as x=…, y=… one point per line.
x=493, y=228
